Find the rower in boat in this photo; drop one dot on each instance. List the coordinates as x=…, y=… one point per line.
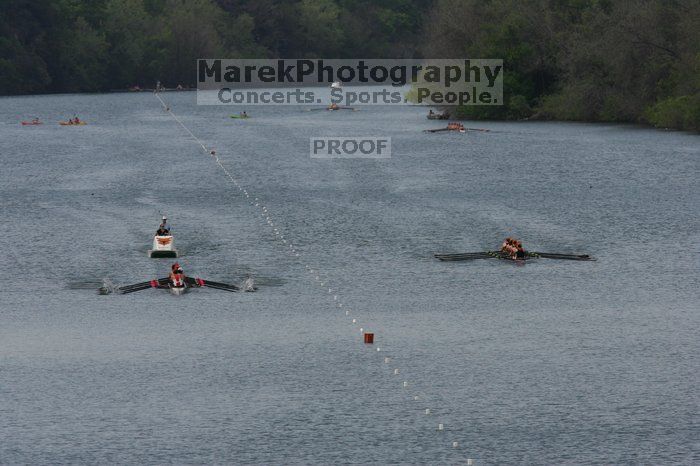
x=177, y=283
x=513, y=248
x=177, y=276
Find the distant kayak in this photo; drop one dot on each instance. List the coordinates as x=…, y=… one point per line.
x=240, y=117
x=68, y=123
x=31, y=123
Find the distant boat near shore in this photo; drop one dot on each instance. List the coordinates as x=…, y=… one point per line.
x=151, y=89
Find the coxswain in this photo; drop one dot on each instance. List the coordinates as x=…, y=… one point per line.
x=177, y=276
x=333, y=106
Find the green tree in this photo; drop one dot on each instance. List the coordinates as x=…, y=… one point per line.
x=128, y=29
x=81, y=58
x=189, y=31
x=320, y=31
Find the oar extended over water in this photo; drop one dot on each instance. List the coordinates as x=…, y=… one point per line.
x=571, y=257
x=164, y=283
x=465, y=256
x=157, y=283
x=218, y=285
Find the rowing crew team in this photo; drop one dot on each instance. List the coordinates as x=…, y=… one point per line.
x=514, y=248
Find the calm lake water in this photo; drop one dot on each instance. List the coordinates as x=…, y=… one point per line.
x=551, y=362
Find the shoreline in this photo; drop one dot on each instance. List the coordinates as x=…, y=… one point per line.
x=530, y=119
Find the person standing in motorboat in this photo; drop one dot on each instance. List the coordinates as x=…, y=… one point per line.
x=164, y=228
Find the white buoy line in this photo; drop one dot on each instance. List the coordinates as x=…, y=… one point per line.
x=265, y=214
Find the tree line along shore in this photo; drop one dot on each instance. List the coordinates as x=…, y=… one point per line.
x=581, y=60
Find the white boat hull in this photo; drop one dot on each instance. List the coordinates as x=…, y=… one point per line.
x=163, y=247
x=177, y=291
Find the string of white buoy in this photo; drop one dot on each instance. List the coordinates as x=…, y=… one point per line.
x=313, y=271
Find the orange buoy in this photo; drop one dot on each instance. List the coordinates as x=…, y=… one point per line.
x=369, y=338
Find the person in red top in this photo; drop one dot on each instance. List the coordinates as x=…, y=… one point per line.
x=177, y=276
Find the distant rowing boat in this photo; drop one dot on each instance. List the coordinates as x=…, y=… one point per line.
x=455, y=127
x=331, y=109
x=466, y=256
x=188, y=283
x=452, y=126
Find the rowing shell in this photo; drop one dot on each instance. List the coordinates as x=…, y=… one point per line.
x=330, y=109
x=190, y=282
x=501, y=255
x=178, y=290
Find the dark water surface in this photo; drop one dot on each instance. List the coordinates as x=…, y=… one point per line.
x=551, y=362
